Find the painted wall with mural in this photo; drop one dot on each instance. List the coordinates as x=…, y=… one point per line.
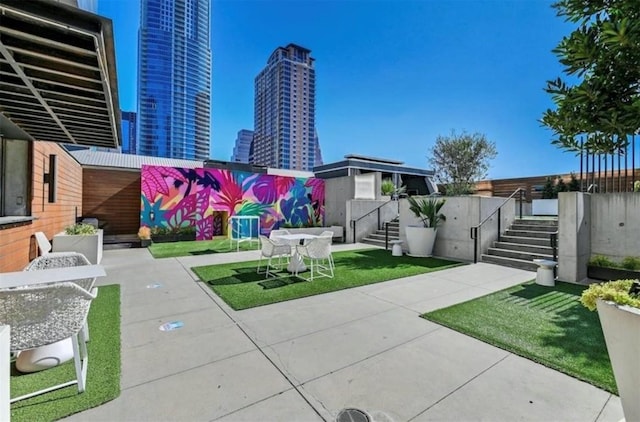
x=206, y=198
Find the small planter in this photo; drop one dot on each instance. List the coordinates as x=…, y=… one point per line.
x=186, y=237
x=621, y=328
x=173, y=237
x=145, y=243
x=607, y=274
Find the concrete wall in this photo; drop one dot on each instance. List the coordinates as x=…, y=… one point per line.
x=368, y=223
x=463, y=212
x=615, y=228
x=596, y=224
x=337, y=192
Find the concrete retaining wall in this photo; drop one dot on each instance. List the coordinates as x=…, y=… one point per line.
x=463, y=212
x=357, y=209
x=596, y=224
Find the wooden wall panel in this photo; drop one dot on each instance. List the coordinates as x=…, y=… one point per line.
x=17, y=244
x=113, y=197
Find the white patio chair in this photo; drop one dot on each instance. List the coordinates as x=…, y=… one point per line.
x=40, y=315
x=62, y=260
x=318, y=252
x=43, y=243
x=270, y=249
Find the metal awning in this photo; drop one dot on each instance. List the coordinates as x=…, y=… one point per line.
x=57, y=74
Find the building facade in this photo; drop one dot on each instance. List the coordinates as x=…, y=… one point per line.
x=242, y=146
x=285, y=109
x=129, y=129
x=174, y=79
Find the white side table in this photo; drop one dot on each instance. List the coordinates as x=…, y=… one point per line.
x=544, y=276
x=396, y=249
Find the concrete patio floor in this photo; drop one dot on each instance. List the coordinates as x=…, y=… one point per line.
x=306, y=359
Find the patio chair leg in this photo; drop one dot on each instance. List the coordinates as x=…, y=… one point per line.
x=259, y=263
x=78, y=361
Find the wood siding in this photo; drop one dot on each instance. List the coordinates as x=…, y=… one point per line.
x=113, y=197
x=17, y=244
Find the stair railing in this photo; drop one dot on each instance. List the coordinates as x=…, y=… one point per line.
x=474, y=229
x=553, y=240
x=353, y=222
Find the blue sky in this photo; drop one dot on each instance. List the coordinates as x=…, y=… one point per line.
x=391, y=75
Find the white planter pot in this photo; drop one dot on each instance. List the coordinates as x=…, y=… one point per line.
x=420, y=240
x=88, y=245
x=544, y=207
x=621, y=328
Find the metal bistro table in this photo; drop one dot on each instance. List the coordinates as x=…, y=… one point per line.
x=296, y=263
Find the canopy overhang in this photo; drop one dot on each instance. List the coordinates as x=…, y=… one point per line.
x=57, y=74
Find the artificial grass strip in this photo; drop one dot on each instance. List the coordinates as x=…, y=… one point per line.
x=103, y=377
x=241, y=288
x=545, y=324
x=219, y=244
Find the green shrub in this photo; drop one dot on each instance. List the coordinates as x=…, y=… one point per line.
x=631, y=263
x=81, y=229
x=387, y=187
x=614, y=291
x=602, y=261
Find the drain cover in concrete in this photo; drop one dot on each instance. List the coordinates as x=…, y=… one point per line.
x=352, y=415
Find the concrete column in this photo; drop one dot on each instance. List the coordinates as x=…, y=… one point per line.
x=574, y=240
x=5, y=341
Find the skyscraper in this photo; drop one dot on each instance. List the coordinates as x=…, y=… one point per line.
x=242, y=147
x=128, y=124
x=174, y=79
x=284, y=114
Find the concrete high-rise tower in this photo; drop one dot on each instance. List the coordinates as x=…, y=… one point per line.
x=174, y=79
x=285, y=109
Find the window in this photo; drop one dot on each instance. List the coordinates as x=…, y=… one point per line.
x=15, y=174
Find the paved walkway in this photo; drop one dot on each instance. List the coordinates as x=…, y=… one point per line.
x=306, y=359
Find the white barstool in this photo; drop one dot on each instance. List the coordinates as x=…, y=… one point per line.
x=544, y=276
x=396, y=249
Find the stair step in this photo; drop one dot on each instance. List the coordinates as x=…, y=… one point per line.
x=527, y=256
x=537, y=221
x=534, y=227
x=371, y=241
x=532, y=241
x=510, y=262
x=524, y=247
x=379, y=236
x=528, y=233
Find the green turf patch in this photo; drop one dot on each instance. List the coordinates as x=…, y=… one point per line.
x=545, y=324
x=220, y=244
x=103, y=378
x=240, y=286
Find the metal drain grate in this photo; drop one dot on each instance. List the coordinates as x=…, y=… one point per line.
x=352, y=415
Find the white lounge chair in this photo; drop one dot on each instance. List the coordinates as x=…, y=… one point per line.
x=43, y=243
x=318, y=252
x=271, y=249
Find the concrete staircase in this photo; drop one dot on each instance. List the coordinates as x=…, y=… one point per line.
x=377, y=238
x=527, y=239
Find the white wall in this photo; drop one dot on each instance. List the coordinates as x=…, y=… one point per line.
x=574, y=235
x=337, y=192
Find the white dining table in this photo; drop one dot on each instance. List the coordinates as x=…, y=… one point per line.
x=296, y=263
x=50, y=275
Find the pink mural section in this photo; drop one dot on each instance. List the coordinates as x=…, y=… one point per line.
x=176, y=198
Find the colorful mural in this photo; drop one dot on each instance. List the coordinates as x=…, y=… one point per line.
x=205, y=198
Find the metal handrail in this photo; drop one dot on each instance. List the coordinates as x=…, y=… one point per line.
x=353, y=222
x=474, y=229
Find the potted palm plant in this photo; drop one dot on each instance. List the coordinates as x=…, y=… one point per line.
x=420, y=239
x=618, y=305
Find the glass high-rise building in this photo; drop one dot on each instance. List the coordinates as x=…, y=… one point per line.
x=174, y=79
x=285, y=110
x=128, y=124
x=242, y=146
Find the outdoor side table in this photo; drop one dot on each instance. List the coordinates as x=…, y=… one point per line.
x=544, y=276
x=396, y=249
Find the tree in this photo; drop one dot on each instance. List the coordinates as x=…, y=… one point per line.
x=574, y=184
x=461, y=160
x=561, y=186
x=548, y=190
x=603, y=54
